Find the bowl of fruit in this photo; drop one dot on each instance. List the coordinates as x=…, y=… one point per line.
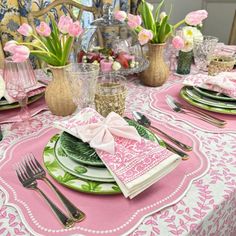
x=111, y=62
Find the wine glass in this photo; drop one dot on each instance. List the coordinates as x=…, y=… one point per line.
x=19, y=78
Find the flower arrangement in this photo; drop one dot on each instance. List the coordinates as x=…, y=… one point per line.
x=52, y=44
x=156, y=27
x=185, y=37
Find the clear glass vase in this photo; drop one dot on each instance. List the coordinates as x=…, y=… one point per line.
x=184, y=62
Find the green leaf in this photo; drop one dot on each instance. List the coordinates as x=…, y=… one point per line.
x=66, y=50
x=158, y=10
x=168, y=31
x=47, y=58
x=49, y=151
x=162, y=30
x=147, y=16
x=80, y=169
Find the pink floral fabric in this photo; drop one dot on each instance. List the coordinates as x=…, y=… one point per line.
x=209, y=207
x=225, y=82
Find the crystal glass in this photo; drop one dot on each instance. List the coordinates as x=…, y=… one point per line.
x=110, y=94
x=20, y=78
x=203, y=50
x=82, y=78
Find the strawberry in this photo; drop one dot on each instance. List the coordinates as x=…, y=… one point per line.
x=123, y=60
x=80, y=56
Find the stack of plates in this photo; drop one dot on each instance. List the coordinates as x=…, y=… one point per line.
x=5, y=105
x=209, y=100
x=74, y=164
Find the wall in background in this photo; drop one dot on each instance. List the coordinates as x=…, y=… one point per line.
x=221, y=13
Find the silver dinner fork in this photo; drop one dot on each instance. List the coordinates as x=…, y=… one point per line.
x=30, y=183
x=39, y=173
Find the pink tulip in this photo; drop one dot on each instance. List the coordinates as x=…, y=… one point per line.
x=25, y=29
x=144, y=36
x=21, y=53
x=43, y=29
x=178, y=42
x=10, y=46
x=134, y=21
x=75, y=29
x=64, y=24
x=196, y=17
x=120, y=16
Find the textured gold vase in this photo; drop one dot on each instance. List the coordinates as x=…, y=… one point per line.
x=58, y=95
x=157, y=72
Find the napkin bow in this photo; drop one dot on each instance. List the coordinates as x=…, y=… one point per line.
x=100, y=135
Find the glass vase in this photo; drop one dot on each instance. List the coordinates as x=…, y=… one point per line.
x=184, y=62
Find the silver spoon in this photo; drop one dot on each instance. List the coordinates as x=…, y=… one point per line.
x=143, y=120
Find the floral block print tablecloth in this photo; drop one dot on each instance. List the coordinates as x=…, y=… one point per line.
x=208, y=208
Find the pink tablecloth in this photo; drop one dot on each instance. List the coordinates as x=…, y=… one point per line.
x=208, y=208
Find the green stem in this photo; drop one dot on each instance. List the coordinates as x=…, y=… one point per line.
x=30, y=44
x=40, y=41
x=178, y=24
x=46, y=52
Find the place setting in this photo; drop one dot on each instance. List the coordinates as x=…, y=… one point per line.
x=116, y=121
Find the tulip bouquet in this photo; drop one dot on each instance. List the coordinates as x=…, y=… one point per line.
x=156, y=27
x=185, y=37
x=50, y=44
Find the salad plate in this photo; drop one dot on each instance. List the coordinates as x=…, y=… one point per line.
x=209, y=101
x=189, y=100
x=100, y=174
x=213, y=94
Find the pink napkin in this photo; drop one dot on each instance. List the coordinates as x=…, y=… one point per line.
x=135, y=163
x=225, y=82
x=226, y=50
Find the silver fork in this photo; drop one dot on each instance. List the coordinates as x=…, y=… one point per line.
x=178, y=109
x=30, y=183
x=39, y=173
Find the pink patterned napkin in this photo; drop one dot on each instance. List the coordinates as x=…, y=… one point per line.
x=225, y=82
x=226, y=50
x=136, y=163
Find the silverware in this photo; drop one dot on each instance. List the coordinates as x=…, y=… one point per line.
x=177, y=107
x=38, y=172
x=143, y=120
x=171, y=148
x=30, y=183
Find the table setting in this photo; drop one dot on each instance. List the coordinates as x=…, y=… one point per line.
x=111, y=153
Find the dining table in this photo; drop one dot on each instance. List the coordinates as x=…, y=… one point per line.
x=197, y=198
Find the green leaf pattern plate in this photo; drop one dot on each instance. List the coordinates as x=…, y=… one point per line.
x=213, y=94
x=207, y=100
x=100, y=174
x=184, y=95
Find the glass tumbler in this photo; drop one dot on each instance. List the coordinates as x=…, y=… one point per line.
x=203, y=50
x=110, y=94
x=82, y=78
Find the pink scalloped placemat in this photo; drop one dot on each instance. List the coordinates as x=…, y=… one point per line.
x=106, y=215
x=158, y=103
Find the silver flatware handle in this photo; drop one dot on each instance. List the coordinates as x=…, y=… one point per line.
x=203, y=118
x=214, y=119
x=66, y=221
x=77, y=214
x=177, y=151
x=175, y=141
